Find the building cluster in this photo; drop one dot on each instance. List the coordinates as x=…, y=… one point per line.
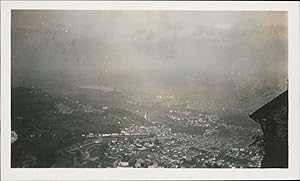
x=68, y=107
x=158, y=146
x=187, y=118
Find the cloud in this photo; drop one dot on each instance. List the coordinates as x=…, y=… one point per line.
x=144, y=45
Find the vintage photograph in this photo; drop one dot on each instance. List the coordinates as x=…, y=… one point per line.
x=149, y=89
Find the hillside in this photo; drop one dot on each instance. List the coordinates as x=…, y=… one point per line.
x=51, y=123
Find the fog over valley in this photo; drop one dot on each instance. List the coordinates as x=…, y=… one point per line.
x=171, y=89
x=212, y=55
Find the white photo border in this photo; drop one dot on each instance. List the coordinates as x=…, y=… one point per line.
x=292, y=172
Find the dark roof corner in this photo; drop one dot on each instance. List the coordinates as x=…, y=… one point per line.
x=250, y=115
x=273, y=104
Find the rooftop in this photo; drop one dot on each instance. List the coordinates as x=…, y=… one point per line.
x=278, y=101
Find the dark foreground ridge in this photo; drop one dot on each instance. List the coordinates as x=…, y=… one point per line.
x=273, y=118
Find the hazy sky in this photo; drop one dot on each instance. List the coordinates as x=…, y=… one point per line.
x=195, y=49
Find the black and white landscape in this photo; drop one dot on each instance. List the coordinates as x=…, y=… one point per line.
x=171, y=89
